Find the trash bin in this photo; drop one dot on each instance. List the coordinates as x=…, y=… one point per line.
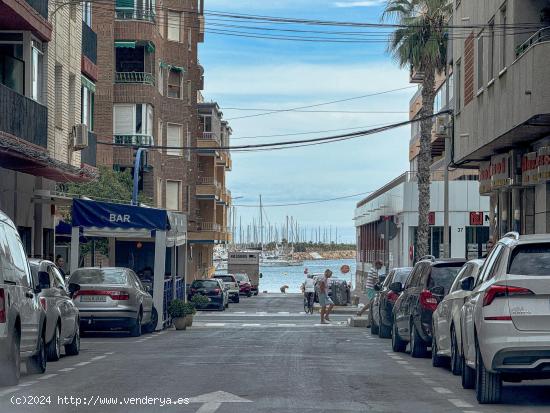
x=339, y=290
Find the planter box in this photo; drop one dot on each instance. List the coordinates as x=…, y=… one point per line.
x=189, y=320
x=180, y=323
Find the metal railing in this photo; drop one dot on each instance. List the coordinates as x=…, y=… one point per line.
x=135, y=14
x=89, y=43
x=543, y=35
x=208, y=226
x=210, y=136
x=206, y=180
x=134, y=140
x=135, y=77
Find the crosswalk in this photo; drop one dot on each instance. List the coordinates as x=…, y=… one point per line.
x=199, y=324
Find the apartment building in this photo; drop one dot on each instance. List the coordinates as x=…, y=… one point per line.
x=502, y=122
x=213, y=198
x=41, y=133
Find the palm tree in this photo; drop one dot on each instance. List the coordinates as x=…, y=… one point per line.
x=420, y=42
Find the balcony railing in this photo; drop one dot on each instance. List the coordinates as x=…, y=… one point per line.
x=134, y=140
x=207, y=226
x=89, y=43
x=135, y=77
x=88, y=154
x=543, y=35
x=41, y=6
x=210, y=136
x=206, y=180
x=135, y=14
x=23, y=117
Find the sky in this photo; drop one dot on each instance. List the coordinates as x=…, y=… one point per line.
x=274, y=74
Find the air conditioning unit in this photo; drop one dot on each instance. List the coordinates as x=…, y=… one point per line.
x=441, y=126
x=80, y=137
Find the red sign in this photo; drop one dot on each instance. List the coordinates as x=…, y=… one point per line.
x=476, y=218
x=344, y=269
x=431, y=218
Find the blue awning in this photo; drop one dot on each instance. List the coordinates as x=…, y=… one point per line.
x=104, y=215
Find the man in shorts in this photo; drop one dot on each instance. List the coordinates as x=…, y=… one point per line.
x=324, y=299
x=372, y=279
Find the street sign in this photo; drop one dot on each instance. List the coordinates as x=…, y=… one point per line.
x=211, y=402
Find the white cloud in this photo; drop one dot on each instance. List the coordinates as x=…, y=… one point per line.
x=367, y=3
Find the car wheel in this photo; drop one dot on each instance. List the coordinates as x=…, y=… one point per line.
x=73, y=348
x=53, y=348
x=153, y=323
x=437, y=360
x=249, y=294
x=373, y=326
x=456, y=363
x=9, y=376
x=418, y=348
x=468, y=375
x=37, y=363
x=238, y=299
x=135, y=330
x=488, y=385
x=397, y=344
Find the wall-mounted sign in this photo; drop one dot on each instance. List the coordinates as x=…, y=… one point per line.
x=529, y=169
x=476, y=218
x=485, y=177
x=544, y=164
x=431, y=218
x=500, y=171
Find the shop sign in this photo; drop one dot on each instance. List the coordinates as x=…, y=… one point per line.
x=544, y=164
x=500, y=171
x=476, y=218
x=485, y=177
x=431, y=218
x=529, y=169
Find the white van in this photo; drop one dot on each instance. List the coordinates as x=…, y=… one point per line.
x=22, y=317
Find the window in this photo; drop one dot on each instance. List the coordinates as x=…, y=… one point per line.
x=174, y=139
x=173, y=195
x=58, y=96
x=87, y=13
x=159, y=193
x=175, y=84
x=491, y=51
x=458, y=83
x=12, y=66
x=480, y=82
x=161, y=79
x=72, y=100
x=189, y=39
x=133, y=124
x=530, y=260
x=56, y=279
x=451, y=87
x=504, y=35
x=489, y=262
x=188, y=199
x=174, y=26
x=188, y=141
x=36, y=65
x=18, y=257
x=189, y=92
x=87, y=90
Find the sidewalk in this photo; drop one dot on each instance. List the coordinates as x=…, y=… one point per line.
x=346, y=310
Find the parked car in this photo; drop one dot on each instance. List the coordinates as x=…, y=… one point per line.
x=506, y=320
x=230, y=282
x=22, y=315
x=112, y=298
x=447, y=336
x=382, y=305
x=213, y=289
x=245, y=286
x=428, y=283
x=62, y=316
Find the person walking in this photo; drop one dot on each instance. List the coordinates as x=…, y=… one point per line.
x=60, y=263
x=308, y=289
x=372, y=279
x=324, y=299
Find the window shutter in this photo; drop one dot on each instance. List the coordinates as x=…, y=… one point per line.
x=124, y=119
x=174, y=26
x=173, y=195
x=173, y=138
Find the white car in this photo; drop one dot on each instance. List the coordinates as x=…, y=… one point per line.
x=446, y=338
x=506, y=320
x=230, y=282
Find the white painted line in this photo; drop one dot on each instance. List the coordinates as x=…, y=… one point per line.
x=251, y=325
x=239, y=312
x=460, y=403
x=417, y=373
x=261, y=312
x=66, y=369
x=29, y=383
x=428, y=381
x=286, y=325
x=214, y=324
x=109, y=353
x=442, y=390
x=83, y=363
x=402, y=362
x=8, y=391
x=395, y=357
x=47, y=376
x=97, y=358
x=283, y=312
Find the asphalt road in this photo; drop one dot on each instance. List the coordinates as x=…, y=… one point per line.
x=262, y=355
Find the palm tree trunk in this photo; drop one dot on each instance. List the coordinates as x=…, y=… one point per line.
x=424, y=163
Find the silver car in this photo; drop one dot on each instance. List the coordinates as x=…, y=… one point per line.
x=446, y=337
x=62, y=322
x=506, y=320
x=112, y=298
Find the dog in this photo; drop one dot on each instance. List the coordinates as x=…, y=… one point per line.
x=284, y=288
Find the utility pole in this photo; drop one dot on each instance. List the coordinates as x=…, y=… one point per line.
x=261, y=225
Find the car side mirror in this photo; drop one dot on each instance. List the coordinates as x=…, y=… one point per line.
x=44, y=280
x=438, y=290
x=396, y=287
x=73, y=288
x=467, y=284
x=376, y=287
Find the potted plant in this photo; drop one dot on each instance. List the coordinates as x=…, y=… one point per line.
x=200, y=301
x=178, y=310
x=189, y=313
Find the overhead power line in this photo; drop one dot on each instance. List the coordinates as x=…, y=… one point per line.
x=307, y=202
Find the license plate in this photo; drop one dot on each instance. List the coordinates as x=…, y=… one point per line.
x=93, y=298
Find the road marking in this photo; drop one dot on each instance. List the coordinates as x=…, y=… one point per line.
x=8, y=391
x=47, y=376
x=251, y=325
x=214, y=324
x=417, y=373
x=460, y=403
x=29, y=383
x=66, y=369
x=283, y=312
x=286, y=325
x=442, y=390
x=240, y=312
x=261, y=312
x=211, y=402
x=97, y=358
x=428, y=381
x=402, y=362
x=109, y=353
x=83, y=363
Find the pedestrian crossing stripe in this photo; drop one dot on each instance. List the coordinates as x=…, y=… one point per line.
x=269, y=325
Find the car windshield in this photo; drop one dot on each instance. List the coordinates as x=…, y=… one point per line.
x=241, y=277
x=444, y=276
x=225, y=278
x=99, y=276
x=531, y=259
x=401, y=276
x=34, y=269
x=205, y=284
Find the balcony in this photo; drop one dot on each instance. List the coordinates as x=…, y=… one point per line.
x=89, y=43
x=131, y=13
x=542, y=35
x=207, y=187
x=41, y=6
x=88, y=154
x=134, y=140
x=23, y=117
x=207, y=232
x=208, y=140
x=135, y=77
